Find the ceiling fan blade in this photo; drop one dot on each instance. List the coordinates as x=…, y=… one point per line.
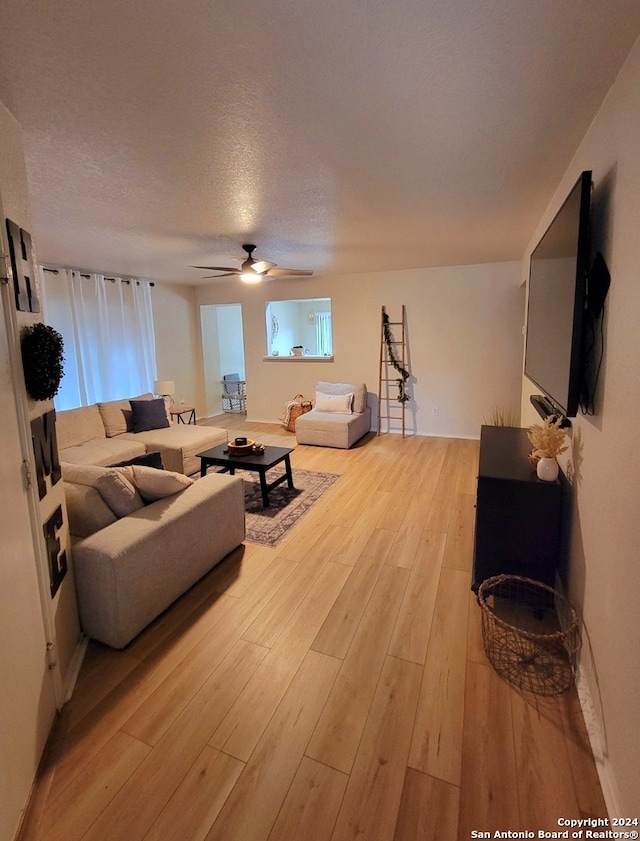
x=226, y=274
x=288, y=272
x=218, y=269
x=261, y=266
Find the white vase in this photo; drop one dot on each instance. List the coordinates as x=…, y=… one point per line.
x=547, y=469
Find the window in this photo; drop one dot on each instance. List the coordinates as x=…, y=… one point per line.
x=107, y=328
x=299, y=328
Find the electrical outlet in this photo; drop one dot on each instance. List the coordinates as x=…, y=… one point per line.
x=435, y=410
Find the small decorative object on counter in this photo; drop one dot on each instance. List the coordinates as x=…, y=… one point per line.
x=240, y=447
x=548, y=439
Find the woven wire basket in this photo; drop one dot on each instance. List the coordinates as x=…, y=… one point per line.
x=530, y=633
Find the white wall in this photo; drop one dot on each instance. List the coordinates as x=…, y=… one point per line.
x=27, y=696
x=231, y=340
x=211, y=360
x=464, y=329
x=604, y=570
x=178, y=343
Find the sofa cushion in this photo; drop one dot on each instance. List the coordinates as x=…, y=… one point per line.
x=149, y=414
x=103, y=451
x=114, y=488
x=179, y=444
x=117, y=416
x=154, y=484
x=77, y=426
x=359, y=392
x=87, y=511
x=334, y=402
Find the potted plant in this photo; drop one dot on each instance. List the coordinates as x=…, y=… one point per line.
x=297, y=350
x=42, y=350
x=548, y=439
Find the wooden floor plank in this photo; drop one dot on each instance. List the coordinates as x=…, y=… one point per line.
x=413, y=628
x=475, y=642
x=489, y=780
x=468, y=474
x=311, y=806
x=135, y=808
x=242, y=727
x=155, y=715
x=436, y=747
x=337, y=735
x=539, y=743
x=199, y=799
x=440, y=508
x=252, y=807
x=428, y=809
x=111, y=668
x=459, y=549
x=100, y=725
x=336, y=634
x=277, y=613
x=91, y=793
x=372, y=799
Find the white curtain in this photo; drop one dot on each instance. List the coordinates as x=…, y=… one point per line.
x=107, y=327
x=323, y=333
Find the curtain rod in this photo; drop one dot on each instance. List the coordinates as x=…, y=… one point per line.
x=110, y=279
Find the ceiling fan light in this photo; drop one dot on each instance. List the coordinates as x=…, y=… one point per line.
x=250, y=277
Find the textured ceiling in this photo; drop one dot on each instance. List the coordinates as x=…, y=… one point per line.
x=338, y=136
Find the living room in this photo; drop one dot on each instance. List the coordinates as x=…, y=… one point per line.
x=465, y=342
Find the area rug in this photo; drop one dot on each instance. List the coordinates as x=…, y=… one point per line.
x=268, y=526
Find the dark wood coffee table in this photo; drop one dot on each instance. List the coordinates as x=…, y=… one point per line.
x=220, y=457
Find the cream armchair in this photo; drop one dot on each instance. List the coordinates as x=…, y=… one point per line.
x=340, y=416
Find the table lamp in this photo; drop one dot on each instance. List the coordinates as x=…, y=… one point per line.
x=165, y=389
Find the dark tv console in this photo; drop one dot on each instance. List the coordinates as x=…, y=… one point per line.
x=517, y=514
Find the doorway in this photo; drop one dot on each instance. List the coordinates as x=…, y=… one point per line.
x=222, y=349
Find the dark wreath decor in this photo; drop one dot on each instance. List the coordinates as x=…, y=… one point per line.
x=42, y=360
x=403, y=396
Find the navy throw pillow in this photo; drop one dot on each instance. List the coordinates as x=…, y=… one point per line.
x=148, y=414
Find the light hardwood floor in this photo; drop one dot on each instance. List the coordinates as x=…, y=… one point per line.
x=334, y=687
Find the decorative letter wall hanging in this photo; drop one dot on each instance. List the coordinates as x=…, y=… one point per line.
x=45, y=450
x=24, y=283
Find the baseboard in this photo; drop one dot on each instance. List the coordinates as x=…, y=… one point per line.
x=74, y=667
x=587, y=688
x=586, y=683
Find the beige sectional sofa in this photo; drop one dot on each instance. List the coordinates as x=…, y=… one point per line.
x=140, y=537
x=102, y=434
x=129, y=567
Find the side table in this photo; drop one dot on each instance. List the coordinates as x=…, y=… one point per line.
x=181, y=411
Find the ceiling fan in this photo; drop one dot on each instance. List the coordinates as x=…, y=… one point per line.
x=253, y=271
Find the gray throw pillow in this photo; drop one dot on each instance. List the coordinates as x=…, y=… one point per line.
x=149, y=414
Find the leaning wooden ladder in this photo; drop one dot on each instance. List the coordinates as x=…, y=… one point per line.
x=392, y=350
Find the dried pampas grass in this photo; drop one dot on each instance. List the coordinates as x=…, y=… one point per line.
x=548, y=438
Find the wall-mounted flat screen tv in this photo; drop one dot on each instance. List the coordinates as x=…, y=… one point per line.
x=555, y=312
